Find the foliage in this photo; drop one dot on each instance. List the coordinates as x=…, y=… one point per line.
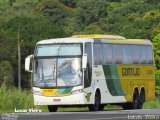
x=13, y=98
x=92, y=29
x=32, y=29
x=156, y=48
x=70, y=3
x=54, y=10
x=24, y=100
x=6, y=74
x=152, y=104
x=44, y=19
x=91, y=10
x=157, y=89
x=7, y=51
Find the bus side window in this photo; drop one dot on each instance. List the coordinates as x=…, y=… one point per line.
x=117, y=54
x=126, y=52
x=134, y=54
x=149, y=54
x=142, y=54
x=107, y=53
x=88, y=71
x=98, y=57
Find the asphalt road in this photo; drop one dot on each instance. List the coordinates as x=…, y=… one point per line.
x=145, y=114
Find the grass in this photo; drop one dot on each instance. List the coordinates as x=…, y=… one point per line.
x=13, y=98
x=152, y=104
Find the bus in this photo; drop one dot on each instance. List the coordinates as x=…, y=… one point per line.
x=93, y=71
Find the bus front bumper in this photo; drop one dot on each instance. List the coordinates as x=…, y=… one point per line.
x=76, y=99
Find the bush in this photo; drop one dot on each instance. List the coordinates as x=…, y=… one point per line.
x=6, y=74
x=158, y=91
x=13, y=98
x=157, y=83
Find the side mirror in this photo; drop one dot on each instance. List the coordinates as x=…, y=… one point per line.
x=84, y=62
x=28, y=63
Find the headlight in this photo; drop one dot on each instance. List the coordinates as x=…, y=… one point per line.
x=37, y=93
x=76, y=91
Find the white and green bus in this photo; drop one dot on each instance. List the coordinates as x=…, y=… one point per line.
x=92, y=72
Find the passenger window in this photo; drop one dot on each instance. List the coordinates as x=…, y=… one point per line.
x=142, y=54
x=117, y=54
x=107, y=53
x=134, y=54
x=126, y=53
x=98, y=57
x=149, y=54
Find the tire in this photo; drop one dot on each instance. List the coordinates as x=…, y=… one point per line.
x=126, y=106
x=97, y=103
x=134, y=104
x=52, y=108
x=101, y=107
x=141, y=99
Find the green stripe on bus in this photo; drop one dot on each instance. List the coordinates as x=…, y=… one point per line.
x=67, y=90
x=112, y=80
x=60, y=91
x=116, y=80
x=109, y=80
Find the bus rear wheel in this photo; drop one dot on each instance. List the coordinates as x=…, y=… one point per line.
x=52, y=108
x=141, y=99
x=134, y=104
x=97, y=103
x=135, y=100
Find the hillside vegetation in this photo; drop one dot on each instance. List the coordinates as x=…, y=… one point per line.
x=44, y=19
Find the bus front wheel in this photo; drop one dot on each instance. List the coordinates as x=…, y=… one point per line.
x=52, y=108
x=97, y=103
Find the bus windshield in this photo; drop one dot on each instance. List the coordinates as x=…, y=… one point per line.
x=63, y=70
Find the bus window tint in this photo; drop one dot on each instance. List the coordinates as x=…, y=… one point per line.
x=142, y=54
x=134, y=54
x=126, y=53
x=117, y=54
x=107, y=53
x=98, y=58
x=149, y=54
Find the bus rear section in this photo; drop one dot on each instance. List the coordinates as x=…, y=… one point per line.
x=123, y=71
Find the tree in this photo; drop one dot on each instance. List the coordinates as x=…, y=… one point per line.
x=156, y=45
x=92, y=29
x=70, y=3
x=54, y=10
x=8, y=48
x=156, y=30
x=72, y=26
x=6, y=74
x=11, y=2
x=32, y=29
x=91, y=10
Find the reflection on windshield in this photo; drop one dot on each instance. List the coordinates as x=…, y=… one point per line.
x=69, y=73
x=57, y=72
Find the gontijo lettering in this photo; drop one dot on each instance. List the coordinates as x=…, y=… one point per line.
x=130, y=71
